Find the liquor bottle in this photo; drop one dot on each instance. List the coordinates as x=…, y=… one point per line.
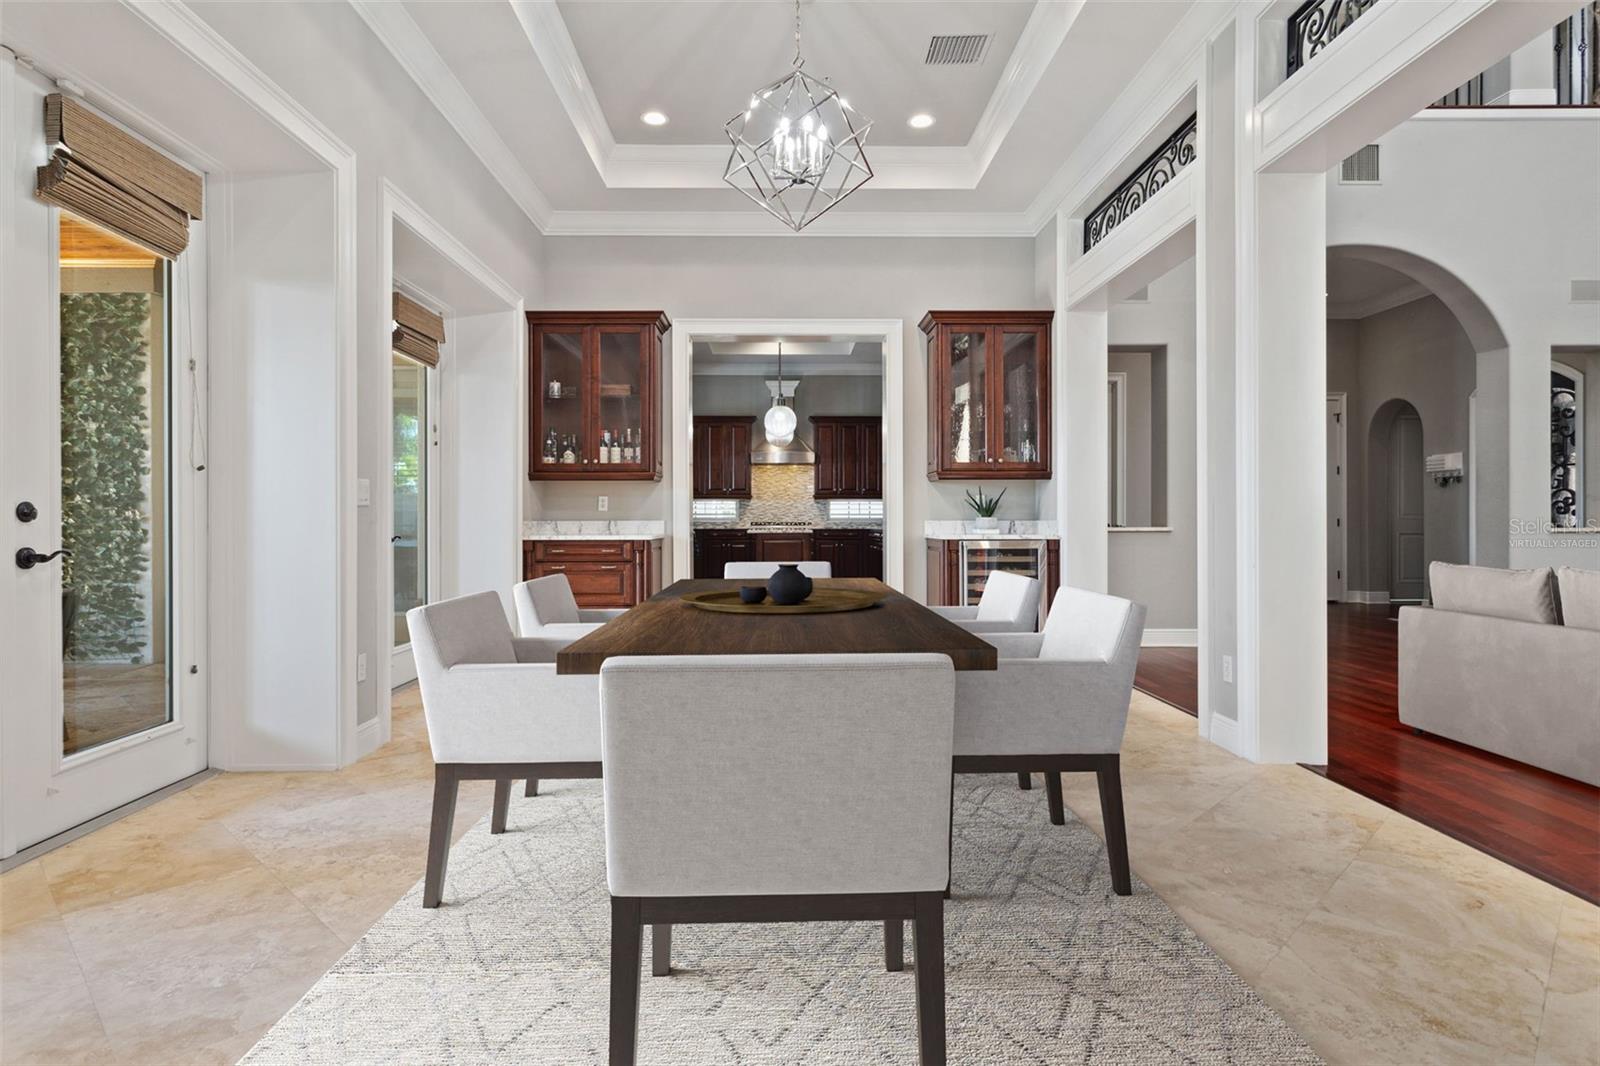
x=569, y=454
x=617, y=453
x=605, y=446
x=631, y=452
x=550, y=446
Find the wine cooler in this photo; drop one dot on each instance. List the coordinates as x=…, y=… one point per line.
x=980, y=558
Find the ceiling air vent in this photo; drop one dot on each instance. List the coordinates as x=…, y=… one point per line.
x=1586, y=290
x=1361, y=168
x=947, y=50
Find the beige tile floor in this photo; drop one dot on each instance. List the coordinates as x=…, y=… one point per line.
x=179, y=934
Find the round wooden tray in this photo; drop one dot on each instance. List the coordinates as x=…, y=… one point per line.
x=821, y=601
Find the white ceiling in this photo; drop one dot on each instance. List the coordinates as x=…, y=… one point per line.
x=758, y=356
x=548, y=95
x=698, y=60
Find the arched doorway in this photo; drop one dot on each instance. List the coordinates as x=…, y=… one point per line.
x=1395, y=480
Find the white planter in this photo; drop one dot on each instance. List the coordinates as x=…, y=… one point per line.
x=986, y=523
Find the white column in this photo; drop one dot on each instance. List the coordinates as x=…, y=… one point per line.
x=1084, y=507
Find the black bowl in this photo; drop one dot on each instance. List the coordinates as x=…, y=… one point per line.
x=752, y=593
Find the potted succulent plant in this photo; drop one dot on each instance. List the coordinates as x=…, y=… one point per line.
x=984, y=507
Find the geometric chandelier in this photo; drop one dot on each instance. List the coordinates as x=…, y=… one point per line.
x=798, y=147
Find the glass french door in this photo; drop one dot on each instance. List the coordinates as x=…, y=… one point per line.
x=101, y=628
x=414, y=426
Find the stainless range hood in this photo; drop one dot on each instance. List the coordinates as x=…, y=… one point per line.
x=795, y=452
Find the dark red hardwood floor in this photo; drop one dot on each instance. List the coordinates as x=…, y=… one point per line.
x=1537, y=821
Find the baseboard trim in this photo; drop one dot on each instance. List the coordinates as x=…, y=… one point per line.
x=369, y=736
x=1171, y=638
x=1374, y=596
x=1225, y=733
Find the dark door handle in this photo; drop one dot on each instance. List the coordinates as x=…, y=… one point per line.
x=27, y=558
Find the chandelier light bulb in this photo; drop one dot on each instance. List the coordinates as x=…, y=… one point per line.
x=779, y=423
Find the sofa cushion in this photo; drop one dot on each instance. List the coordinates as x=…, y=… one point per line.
x=1580, y=597
x=1520, y=595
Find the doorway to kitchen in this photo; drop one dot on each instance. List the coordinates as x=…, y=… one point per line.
x=722, y=364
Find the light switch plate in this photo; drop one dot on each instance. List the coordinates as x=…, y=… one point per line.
x=363, y=491
x=361, y=667
x=1227, y=669
x=605, y=503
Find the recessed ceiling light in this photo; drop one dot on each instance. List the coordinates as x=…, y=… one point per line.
x=920, y=121
x=653, y=118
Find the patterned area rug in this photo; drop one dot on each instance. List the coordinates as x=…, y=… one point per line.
x=1044, y=964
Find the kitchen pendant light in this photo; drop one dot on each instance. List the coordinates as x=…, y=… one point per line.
x=798, y=147
x=780, y=421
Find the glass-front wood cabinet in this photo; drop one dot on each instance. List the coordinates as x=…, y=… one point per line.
x=988, y=394
x=594, y=395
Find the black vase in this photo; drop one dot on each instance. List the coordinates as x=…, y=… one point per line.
x=788, y=586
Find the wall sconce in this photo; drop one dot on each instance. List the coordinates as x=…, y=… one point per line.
x=1445, y=468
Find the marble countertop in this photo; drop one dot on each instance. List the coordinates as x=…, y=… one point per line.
x=592, y=530
x=1007, y=530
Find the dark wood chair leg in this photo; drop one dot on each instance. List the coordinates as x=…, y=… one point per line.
x=502, y=805
x=445, y=787
x=1025, y=782
x=1110, y=780
x=929, y=932
x=1052, y=791
x=894, y=945
x=660, y=950
x=950, y=850
x=533, y=787
x=627, y=946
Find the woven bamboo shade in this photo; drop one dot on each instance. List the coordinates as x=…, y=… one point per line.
x=100, y=173
x=418, y=332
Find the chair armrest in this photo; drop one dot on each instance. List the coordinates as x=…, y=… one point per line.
x=601, y=614
x=1016, y=645
x=513, y=712
x=955, y=614
x=539, y=649
x=1042, y=706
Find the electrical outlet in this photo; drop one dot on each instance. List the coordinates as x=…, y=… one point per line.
x=605, y=503
x=363, y=492
x=1227, y=669
x=361, y=667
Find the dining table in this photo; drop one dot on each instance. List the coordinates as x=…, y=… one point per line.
x=666, y=625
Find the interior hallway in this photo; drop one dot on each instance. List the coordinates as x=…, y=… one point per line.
x=1375, y=937
x=1535, y=820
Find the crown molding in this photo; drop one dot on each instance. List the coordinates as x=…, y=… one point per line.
x=755, y=223
x=701, y=166
x=416, y=55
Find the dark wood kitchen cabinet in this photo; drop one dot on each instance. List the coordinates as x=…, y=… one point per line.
x=602, y=573
x=851, y=552
x=722, y=456
x=714, y=547
x=783, y=547
x=594, y=395
x=988, y=394
x=849, y=463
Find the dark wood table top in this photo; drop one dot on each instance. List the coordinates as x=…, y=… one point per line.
x=663, y=625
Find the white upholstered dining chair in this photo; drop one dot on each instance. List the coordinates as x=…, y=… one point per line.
x=763, y=571
x=1058, y=702
x=777, y=788
x=1009, y=604
x=546, y=607
x=496, y=709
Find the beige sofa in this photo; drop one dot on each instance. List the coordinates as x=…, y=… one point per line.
x=1508, y=661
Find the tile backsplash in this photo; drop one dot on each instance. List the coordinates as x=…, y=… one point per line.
x=782, y=493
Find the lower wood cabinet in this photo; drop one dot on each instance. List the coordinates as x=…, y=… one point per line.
x=851, y=552
x=603, y=573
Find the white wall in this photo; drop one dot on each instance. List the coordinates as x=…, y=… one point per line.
x=796, y=277
x=1159, y=569
x=1419, y=353
x=327, y=59
x=1456, y=191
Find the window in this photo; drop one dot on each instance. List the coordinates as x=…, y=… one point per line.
x=710, y=509
x=409, y=543
x=858, y=509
